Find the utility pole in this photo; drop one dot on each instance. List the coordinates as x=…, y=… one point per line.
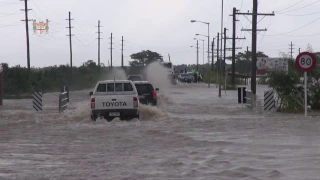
x=70, y=42
x=27, y=31
x=203, y=53
x=233, y=81
x=122, y=52
x=247, y=57
x=299, y=50
x=234, y=45
x=169, y=57
x=197, y=55
x=224, y=60
x=291, y=50
x=99, y=37
x=218, y=68
x=224, y=50
x=212, y=51
x=254, y=49
x=254, y=30
x=111, y=51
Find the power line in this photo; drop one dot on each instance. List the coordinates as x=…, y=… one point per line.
x=291, y=6
x=295, y=29
x=302, y=7
x=298, y=14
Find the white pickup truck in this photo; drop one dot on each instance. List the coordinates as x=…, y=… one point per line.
x=114, y=98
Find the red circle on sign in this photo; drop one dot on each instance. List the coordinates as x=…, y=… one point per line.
x=313, y=63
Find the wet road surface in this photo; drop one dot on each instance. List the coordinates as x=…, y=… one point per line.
x=193, y=134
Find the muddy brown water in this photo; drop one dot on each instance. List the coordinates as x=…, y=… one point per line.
x=192, y=134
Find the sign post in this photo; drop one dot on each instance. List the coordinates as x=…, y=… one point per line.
x=305, y=62
x=1, y=85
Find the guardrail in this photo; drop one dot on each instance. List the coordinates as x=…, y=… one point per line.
x=63, y=99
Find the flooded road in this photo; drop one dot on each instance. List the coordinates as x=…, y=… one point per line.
x=193, y=134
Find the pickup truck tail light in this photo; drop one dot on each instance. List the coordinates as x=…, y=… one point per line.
x=154, y=94
x=93, y=103
x=135, y=102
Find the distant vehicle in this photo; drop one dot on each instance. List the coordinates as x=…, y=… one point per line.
x=114, y=98
x=185, y=77
x=147, y=93
x=170, y=71
x=137, y=77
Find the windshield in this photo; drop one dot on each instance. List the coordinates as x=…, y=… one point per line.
x=185, y=75
x=144, y=88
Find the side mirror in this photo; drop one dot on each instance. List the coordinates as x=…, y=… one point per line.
x=91, y=93
x=157, y=89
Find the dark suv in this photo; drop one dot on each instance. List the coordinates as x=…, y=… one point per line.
x=137, y=77
x=147, y=94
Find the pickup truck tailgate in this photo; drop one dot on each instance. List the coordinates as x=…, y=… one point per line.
x=114, y=102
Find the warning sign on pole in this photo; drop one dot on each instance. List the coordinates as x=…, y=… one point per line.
x=305, y=62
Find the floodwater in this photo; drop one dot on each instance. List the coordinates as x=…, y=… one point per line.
x=192, y=134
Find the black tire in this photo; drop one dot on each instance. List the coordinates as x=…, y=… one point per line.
x=94, y=117
x=109, y=119
x=154, y=103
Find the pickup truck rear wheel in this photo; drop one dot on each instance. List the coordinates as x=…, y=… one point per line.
x=109, y=118
x=94, y=117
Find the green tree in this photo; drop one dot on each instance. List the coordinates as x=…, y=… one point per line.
x=243, y=61
x=144, y=58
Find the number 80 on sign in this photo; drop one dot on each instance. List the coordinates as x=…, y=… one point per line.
x=305, y=61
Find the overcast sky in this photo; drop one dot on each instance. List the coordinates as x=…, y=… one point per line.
x=158, y=25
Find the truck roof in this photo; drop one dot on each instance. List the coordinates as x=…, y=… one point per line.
x=141, y=82
x=111, y=81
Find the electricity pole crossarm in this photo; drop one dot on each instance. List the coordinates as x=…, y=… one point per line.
x=228, y=49
x=236, y=38
x=258, y=14
x=265, y=29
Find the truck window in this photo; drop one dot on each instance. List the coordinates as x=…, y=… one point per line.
x=144, y=88
x=118, y=87
x=127, y=87
x=110, y=87
x=102, y=88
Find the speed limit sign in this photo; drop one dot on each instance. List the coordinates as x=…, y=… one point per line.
x=305, y=61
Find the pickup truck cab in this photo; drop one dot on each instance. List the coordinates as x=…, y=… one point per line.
x=114, y=98
x=147, y=93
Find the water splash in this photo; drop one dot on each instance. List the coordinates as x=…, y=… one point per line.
x=158, y=76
